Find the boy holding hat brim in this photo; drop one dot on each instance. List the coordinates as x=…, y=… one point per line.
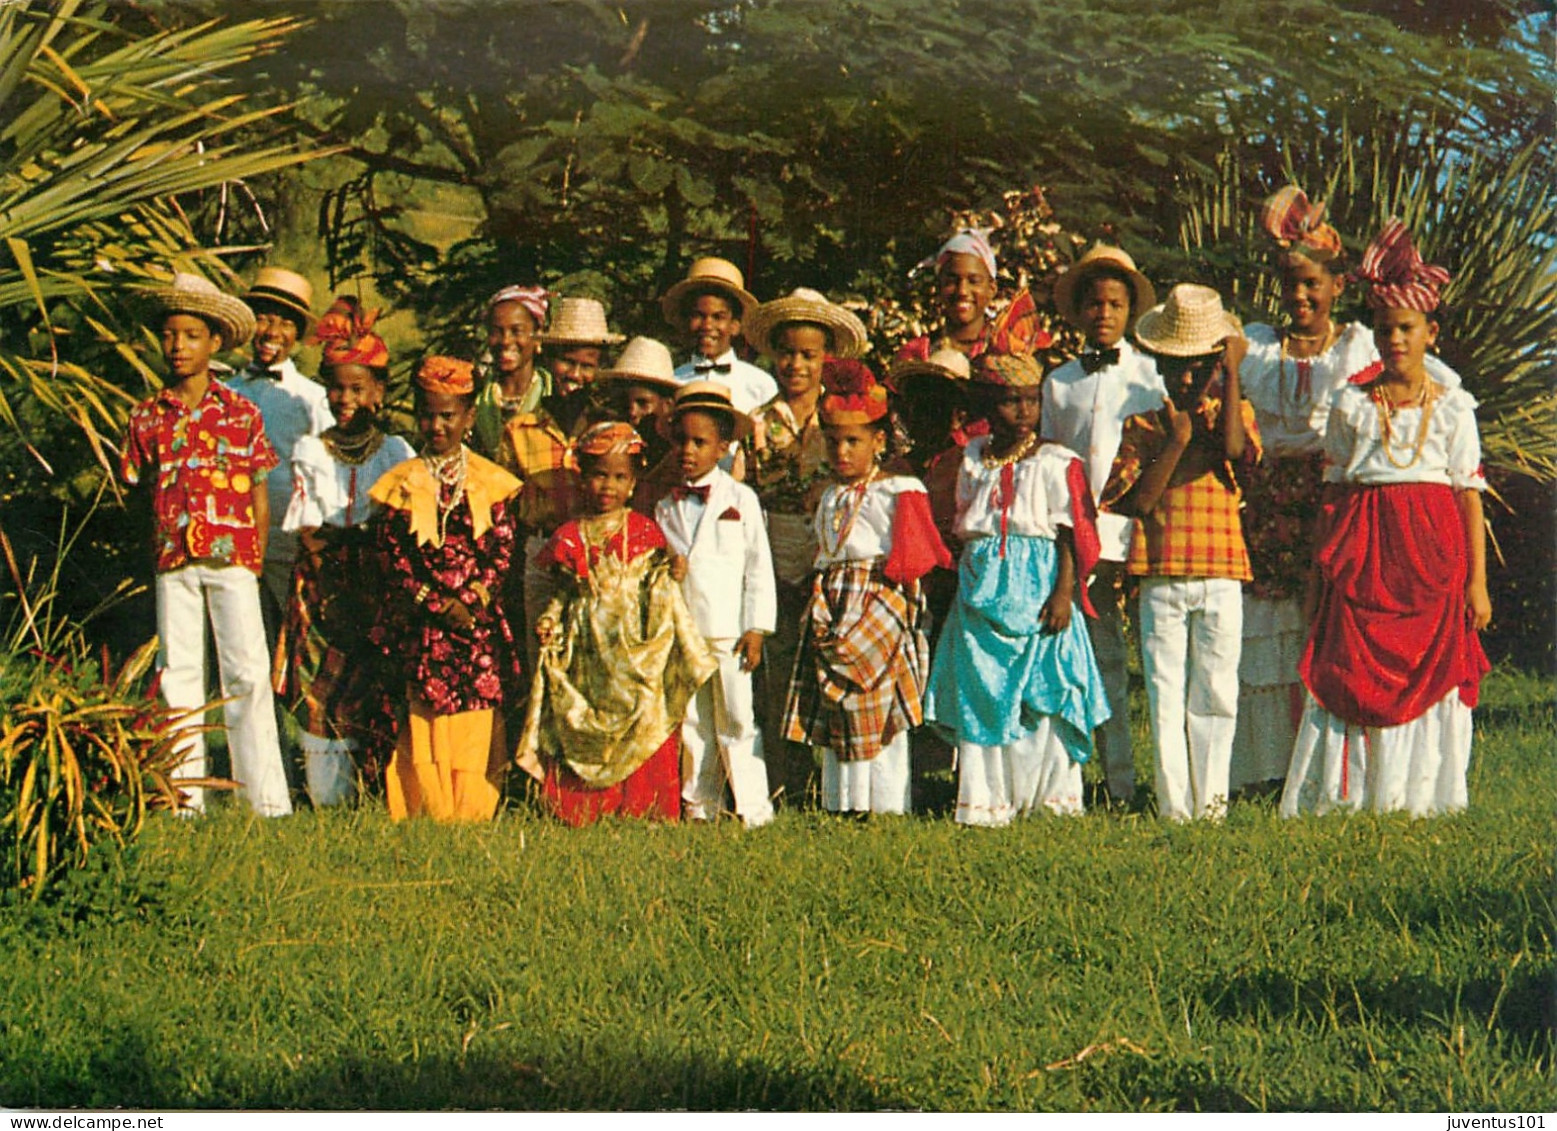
x=708, y=306
x=576, y=341
x=201, y=451
x=292, y=405
x=715, y=527
x=1175, y=472
x=1086, y=402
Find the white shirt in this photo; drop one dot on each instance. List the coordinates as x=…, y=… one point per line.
x=1041, y=497
x=1292, y=398
x=1451, y=450
x=292, y=406
x=327, y=492
x=729, y=584
x=869, y=534
x=750, y=387
x=1086, y=413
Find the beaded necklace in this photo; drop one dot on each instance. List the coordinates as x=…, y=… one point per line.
x=449, y=472
x=1428, y=396
x=844, y=510
x=1016, y=455
x=596, y=531
x=1303, y=365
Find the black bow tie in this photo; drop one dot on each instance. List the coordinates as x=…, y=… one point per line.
x=1093, y=360
x=711, y=367
x=255, y=369
x=686, y=491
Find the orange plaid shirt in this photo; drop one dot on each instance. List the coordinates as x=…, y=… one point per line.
x=1195, y=529
x=542, y=456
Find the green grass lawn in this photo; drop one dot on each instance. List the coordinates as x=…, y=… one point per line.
x=334, y=960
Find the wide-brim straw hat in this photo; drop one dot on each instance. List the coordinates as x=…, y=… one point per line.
x=644, y=361
x=708, y=396
x=1190, y=324
x=805, y=305
x=284, y=288
x=1142, y=294
x=194, y=294
x=579, y=322
x=709, y=274
x=942, y=365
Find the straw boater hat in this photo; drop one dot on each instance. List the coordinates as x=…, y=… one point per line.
x=1190, y=324
x=1099, y=255
x=644, y=362
x=709, y=396
x=805, y=305
x=943, y=365
x=194, y=294
x=579, y=322
x=710, y=274
x=284, y=288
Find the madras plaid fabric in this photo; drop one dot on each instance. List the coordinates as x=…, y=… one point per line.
x=542, y=456
x=1195, y=530
x=863, y=662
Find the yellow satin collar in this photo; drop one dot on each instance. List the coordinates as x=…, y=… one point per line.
x=411, y=488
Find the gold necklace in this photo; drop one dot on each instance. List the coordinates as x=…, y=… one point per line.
x=449, y=473
x=1300, y=386
x=596, y=531
x=843, y=513
x=1026, y=448
x=1386, y=409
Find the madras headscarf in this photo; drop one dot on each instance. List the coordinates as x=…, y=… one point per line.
x=345, y=332
x=1396, y=273
x=446, y=375
x=1295, y=224
x=609, y=438
x=851, y=394
x=1010, y=370
x=537, y=300
x=969, y=241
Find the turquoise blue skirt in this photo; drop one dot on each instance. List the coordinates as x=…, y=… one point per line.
x=996, y=671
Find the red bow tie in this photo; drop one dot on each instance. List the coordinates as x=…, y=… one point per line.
x=687, y=492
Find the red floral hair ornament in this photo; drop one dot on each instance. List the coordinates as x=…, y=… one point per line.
x=851, y=393
x=345, y=332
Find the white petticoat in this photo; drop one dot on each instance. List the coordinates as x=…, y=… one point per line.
x=1271, y=697
x=998, y=783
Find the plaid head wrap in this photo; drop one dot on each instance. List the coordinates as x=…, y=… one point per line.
x=1010, y=370
x=446, y=375
x=537, y=300
x=1396, y=274
x=346, y=334
x=609, y=438
x=1295, y=224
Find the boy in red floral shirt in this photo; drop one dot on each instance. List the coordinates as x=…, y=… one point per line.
x=201, y=451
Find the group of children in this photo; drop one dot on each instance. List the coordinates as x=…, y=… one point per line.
x=591, y=593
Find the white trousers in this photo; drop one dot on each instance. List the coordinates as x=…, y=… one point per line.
x=720, y=743
x=1107, y=633
x=1191, y=636
x=880, y=785
x=331, y=773
x=997, y=783
x=230, y=594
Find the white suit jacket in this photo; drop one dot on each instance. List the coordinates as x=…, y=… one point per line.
x=729, y=585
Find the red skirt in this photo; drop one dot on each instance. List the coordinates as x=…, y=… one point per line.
x=1390, y=637
x=652, y=790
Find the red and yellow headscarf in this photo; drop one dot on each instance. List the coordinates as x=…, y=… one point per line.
x=346, y=334
x=609, y=438
x=1298, y=226
x=446, y=375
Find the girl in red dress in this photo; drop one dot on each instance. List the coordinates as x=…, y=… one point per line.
x=1393, y=663
x=620, y=654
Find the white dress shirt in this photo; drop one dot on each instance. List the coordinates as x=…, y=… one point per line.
x=750, y=387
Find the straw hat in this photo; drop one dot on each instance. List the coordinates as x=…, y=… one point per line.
x=944, y=364
x=1142, y=294
x=1191, y=323
x=579, y=322
x=709, y=273
x=805, y=305
x=645, y=362
x=283, y=288
x=709, y=396
x=194, y=294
